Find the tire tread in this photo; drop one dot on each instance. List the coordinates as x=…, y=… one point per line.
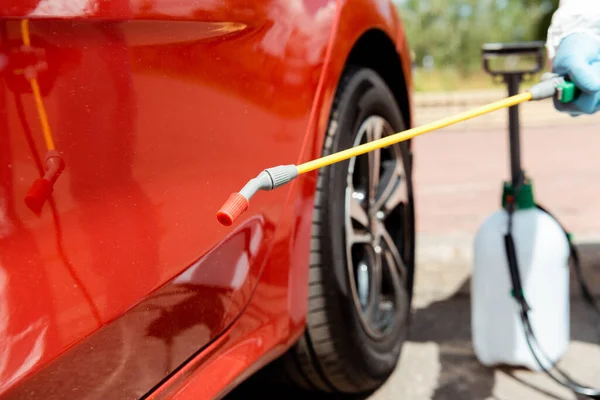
x=318, y=360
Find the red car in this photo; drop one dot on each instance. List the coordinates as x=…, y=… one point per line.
x=125, y=125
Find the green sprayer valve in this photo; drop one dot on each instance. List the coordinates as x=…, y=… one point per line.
x=566, y=91
x=553, y=85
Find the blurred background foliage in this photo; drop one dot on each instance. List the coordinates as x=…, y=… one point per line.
x=446, y=36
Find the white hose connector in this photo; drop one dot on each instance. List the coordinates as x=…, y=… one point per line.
x=547, y=87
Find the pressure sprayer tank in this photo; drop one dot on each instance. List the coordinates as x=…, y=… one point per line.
x=542, y=250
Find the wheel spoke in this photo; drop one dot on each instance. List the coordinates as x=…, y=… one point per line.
x=392, y=191
x=357, y=212
x=392, y=183
x=374, y=132
x=375, y=129
x=357, y=237
x=374, y=166
x=395, y=197
x=372, y=309
x=392, y=257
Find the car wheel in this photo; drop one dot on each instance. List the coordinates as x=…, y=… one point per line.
x=362, y=252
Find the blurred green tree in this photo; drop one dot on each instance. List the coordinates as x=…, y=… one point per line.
x=549, y=6
x=450, y=33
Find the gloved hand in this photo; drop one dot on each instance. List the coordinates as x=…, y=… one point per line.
x=578, y=57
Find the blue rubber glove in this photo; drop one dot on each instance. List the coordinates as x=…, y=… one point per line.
x=578, y=57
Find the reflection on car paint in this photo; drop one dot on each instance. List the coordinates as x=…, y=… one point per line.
x=19, y=350
x=156, y=336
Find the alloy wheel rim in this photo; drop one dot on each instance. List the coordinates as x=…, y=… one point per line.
x=375, y=200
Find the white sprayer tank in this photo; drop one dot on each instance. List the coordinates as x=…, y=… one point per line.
x=542, y=251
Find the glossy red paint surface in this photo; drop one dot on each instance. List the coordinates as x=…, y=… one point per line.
x=258, y=336
x=160, y=110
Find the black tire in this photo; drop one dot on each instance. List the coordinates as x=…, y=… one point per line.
x=336, y=353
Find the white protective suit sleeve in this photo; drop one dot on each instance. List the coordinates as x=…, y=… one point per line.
x=573, y=16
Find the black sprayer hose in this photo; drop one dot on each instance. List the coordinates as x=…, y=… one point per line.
x=532, y=342
x=586, y=293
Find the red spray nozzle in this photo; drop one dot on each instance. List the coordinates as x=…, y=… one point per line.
x=37, y=195
x=42, y=188
x=269, y=179
x=235, y=205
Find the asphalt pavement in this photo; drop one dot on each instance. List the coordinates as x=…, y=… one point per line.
x=458, y=178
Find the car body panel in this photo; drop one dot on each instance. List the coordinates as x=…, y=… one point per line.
x=257, y=337
x=160, y=110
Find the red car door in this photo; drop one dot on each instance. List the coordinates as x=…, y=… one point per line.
x=159, y=110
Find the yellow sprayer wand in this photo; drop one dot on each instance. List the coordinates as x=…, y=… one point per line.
x=271, y=178
x=42, y=188
x=411, y=133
